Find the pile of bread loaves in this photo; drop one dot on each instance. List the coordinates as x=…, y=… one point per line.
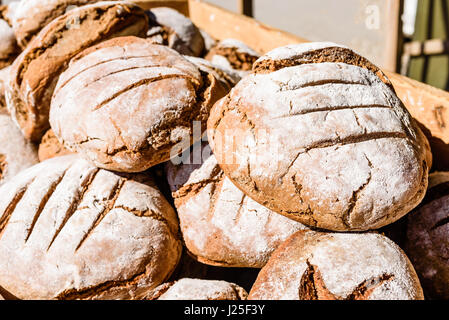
x=142, y=159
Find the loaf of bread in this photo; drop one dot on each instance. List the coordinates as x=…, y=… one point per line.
x=31, y=16
x=427, y=238
x=72, y=231
x=220, y=225
x=16, y=153
x=35, y=72
x=314, y=265
x=317, y=133
x=50, y=147
x=8, y=45
x=127, y=104
x=198, y=289
x=4, y=73
x=173, y=29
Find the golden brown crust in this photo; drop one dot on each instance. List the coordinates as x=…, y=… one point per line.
x=328, y=54
x=33, y=15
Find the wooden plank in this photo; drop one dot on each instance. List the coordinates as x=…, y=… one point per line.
x=429, y=105
x=223, y=24
x=180, y=5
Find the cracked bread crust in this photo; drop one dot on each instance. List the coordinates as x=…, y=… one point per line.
x=33, y=15
x=50, y=147
x=35, y=72
x=125, y=105
x=359, y=161
x=170, y=28
x=220, y=225
x=69, y=230
x=337, y=266
x=16, y=153
x=427, y=237
x=198, y=289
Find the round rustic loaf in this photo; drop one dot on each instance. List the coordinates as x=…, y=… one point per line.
x=8, y=45
x=129, y=104
x=33, y=15
x=16, y=153
x=427, y=238
x=234, y=56
x=36, y=71
x=337, y=266
x=220, y=225
x=198, y=289
x=72, y=231
x=50, y=147
x=173, y=29
x=318, y=134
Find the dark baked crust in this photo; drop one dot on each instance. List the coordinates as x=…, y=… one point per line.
x=36, y=71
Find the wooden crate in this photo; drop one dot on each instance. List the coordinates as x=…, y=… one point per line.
x=428, y=105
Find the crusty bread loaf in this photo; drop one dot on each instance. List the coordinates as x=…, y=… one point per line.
x=33, y=15
x=314, y=265
x=220, y=225
x=324, y=142
x=127, y=103
x=427, y=237
x=173, y=29
x=69, y=230
x=8, y=45
x=36, y=71
x=50, y=147
x=16, y=153
x=198, y=289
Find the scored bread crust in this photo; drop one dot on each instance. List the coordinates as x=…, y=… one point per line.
x=198, y=289
x=31, y=16
x=36, y=71
x=69, y=230
x=220, y=225
x=337, y=266
x=427, y=233
x=125, y=104
x=327, y=144
x=16, y=153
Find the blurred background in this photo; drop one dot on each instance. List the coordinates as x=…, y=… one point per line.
x=406, y=36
